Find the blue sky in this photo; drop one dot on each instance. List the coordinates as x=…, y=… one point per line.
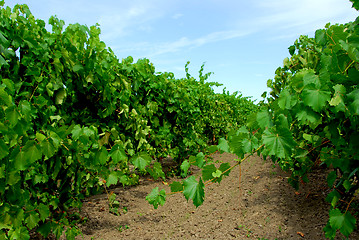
x=242, y=42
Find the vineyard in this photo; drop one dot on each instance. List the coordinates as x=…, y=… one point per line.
x=76, y=121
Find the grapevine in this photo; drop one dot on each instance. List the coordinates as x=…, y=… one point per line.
x=74, y=120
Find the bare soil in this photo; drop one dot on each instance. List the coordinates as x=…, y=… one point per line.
x=254, y=202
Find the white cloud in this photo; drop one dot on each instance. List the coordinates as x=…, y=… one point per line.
x=305, y=15
x=121, y=20
x=186, y=43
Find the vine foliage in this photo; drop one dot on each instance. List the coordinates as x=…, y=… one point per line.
x=74, y=118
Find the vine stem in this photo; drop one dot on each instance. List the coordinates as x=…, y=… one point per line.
x=346, y=69
x=240, y=189
x=349, y=204
x=32, y=95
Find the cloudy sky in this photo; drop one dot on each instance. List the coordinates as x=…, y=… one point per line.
x=242, y=42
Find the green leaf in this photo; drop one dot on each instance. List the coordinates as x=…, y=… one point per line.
x=213, y=148
x=40, y=137
x=249, y=144
x=77, y=68
x=309, y=117
x=286, y=100
x=355, y=4
x=315, y=98
x=76, y=132
x=25, y=108
x=44, y=211
x=141, y=160
x=5, y=97
x=235, y=143
x=48, y=148
x=311, y=78
x=347, y=185
x=333, y=198
x=344, y=222
x=156, y=197
x=4, y=149
x=194, y=190
x=117, y=154
x=338, y=99
x=156, y=171
x=184, y=168
x=31, y=149
x=263, y=119
x=332, y=176
x=32, y=220
x=9, y=85
x=278, y=143
x=217, y=173
x=207, y=172
x=102, y=156
x=354, y=106
x=320, y=37
x=19, y=233
x=176, y=187
x=224, y=168
x=329, y=231
x=199, y=159
x=297, y=80
x=21, y=161
x=112, y=179
x=3, y=62
x=13, y=178
x=223, y=145
x=353, y=52
x=60, y=96
x=12, y=115
x=291, y=50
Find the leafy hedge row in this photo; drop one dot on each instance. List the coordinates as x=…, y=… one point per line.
x=73, y=117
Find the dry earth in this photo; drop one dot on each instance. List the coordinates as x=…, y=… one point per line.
x=260, y=206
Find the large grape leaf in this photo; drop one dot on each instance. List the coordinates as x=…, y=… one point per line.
x=141, y=160
x=345, y=222
x=112, y=179
x=278, y=142
x=194, y=190
x=315, y=97
x=117, y=154
x=263, y=119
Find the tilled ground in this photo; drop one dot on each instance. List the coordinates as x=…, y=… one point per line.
x=253, y=202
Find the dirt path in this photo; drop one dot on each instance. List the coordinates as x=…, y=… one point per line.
x=266, y=207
